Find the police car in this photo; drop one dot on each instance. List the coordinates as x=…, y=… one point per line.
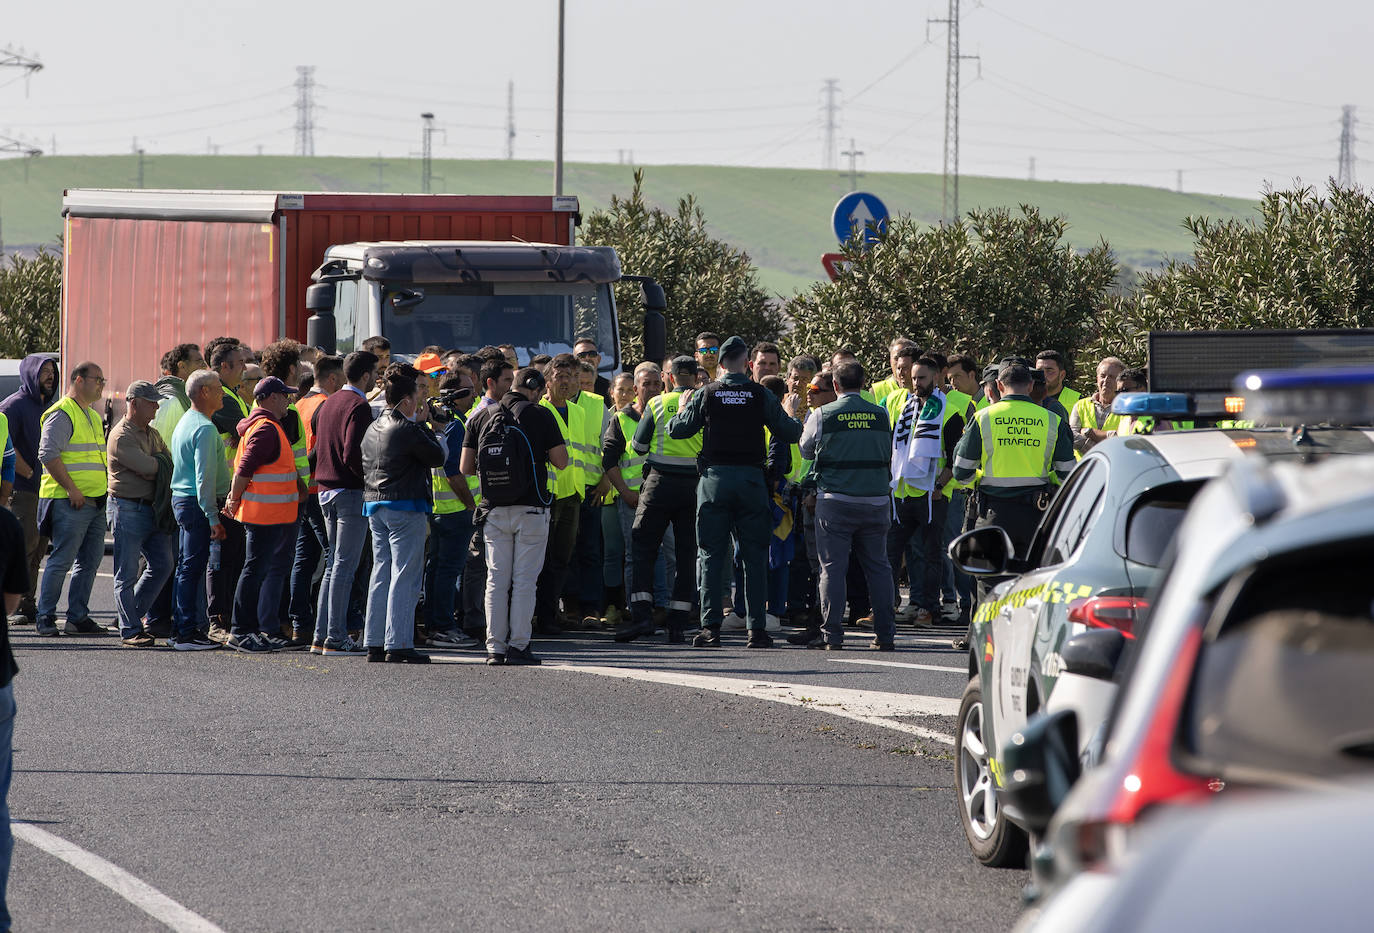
x=1253, y=671
x=1095, y=555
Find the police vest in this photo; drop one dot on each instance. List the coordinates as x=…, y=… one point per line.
x=594, y=415
x=446, y=501
x=231, y=438
x=854, y=450
x=1018, y=444
x=568, y=481
x=631, y=464
x=734, y=425
x=84, y=455
x=678, y=454
x=271, y=497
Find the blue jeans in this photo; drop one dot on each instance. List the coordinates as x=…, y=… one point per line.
x=957, y=584
x=312, y=543
x=189, y=588
x=136, y=532
x=346, y=528
x=257, y=601
x=6, y=772
x=449, y=535
x=398, y=567
x=78, y=544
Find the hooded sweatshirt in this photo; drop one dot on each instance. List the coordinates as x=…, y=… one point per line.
x=23, y=409
x=263, y=447
x=175, y=403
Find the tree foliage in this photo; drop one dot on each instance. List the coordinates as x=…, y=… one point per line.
x=709, y=285
x=30, y=304
x=992, y=284
x=1307, y=262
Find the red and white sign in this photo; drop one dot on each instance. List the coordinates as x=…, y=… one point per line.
x=835, y=264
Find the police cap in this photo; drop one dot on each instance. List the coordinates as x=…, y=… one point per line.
x=684, y=366
x=733, y=347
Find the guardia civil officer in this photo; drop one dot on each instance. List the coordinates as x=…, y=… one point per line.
x=668, y=496
x=732, y=413
x=1021, y=448
x=850, y=441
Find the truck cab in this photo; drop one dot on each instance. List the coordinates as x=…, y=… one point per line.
x=466, y=294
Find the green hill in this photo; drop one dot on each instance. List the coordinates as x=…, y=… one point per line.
x=781, y=217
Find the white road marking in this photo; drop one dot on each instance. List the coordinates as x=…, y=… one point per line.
x=869, y=706
x=914, y=667
x=139, y=893
x=107, y=576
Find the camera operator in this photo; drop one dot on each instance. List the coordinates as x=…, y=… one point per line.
x=450, y=526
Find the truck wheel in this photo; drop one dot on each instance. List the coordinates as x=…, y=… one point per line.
x=994, y=840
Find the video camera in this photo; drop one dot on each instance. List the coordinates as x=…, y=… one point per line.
x=447, y=399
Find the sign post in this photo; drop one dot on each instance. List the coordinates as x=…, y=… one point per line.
x=862, y=213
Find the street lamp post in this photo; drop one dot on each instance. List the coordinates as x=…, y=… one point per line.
x=558, y=117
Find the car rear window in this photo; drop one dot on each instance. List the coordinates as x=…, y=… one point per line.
x=1284, y=689
x=1154, y=519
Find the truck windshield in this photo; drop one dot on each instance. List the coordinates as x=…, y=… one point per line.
x=537, y=317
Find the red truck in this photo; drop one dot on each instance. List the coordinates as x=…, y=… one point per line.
x=146, y=270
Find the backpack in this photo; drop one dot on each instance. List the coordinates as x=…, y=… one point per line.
x=505, y=460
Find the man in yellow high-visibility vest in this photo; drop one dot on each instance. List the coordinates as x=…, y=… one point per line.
x=72, y=500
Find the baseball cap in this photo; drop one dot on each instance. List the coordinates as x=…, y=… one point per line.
x=430, y=364
x=143, y=389
x=272, y=386
x=990, y=373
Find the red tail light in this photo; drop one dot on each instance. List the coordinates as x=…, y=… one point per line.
x=1152, y=778
x=1118, y=612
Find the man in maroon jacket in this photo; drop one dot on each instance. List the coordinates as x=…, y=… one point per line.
x=340, y=424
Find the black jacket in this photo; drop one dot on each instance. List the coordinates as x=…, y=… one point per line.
x=398, y=455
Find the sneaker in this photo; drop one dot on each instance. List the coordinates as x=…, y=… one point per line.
x=159, y=629
x=906, y=613
x=248, y=643
x=707, y=638
x=882, y=645
x=407, y=656
x=807, y=636
x=734, y=623
x=296, y=643
x=446, y=639
x=959, y=644
x=524, y=655
x=141, y=640
x=194, y=643
x=772, y=623
x=317, y=647
x=949, y=610
x=84, y=627
x=865, y=621
x=759, y=639
x=219, y=634
x=348, y=646
x=274, y=642
x=923, y=618
x=47, y=627
x=468, y=643
x=496, y=660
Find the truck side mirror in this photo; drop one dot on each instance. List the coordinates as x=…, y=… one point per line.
x=982, y=552
x=1041, y=764
x=655, y=324
x=1093, y=653
x=319, y=328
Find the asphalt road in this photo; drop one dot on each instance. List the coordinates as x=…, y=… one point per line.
x=674, y=788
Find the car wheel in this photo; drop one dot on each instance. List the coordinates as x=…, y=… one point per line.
x=994, y=840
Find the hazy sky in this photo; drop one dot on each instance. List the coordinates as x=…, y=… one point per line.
x=1232, y=93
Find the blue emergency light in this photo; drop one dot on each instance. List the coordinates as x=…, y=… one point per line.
x=1336, y=395
x=1166, y=405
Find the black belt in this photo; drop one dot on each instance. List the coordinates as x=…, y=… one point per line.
x=147, y=502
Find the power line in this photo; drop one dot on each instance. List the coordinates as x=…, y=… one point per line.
x=852, y=154
x=953, y=57
x=1151, y=71
x=510, y=119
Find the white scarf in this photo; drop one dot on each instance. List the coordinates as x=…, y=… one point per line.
x=916, y=441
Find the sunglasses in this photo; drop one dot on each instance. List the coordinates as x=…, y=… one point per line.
x=588, y=354
x=708, y=349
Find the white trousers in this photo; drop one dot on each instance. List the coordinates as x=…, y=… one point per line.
x=515, y=537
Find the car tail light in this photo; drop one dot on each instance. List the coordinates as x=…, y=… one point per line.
x=1118, y=612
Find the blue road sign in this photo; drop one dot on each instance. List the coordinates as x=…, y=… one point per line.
x=859, y=211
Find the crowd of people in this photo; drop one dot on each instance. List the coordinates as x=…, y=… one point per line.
x=290, y=500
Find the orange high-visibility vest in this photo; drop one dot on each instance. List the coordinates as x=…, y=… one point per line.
x=271, y=497
x=306, y=407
